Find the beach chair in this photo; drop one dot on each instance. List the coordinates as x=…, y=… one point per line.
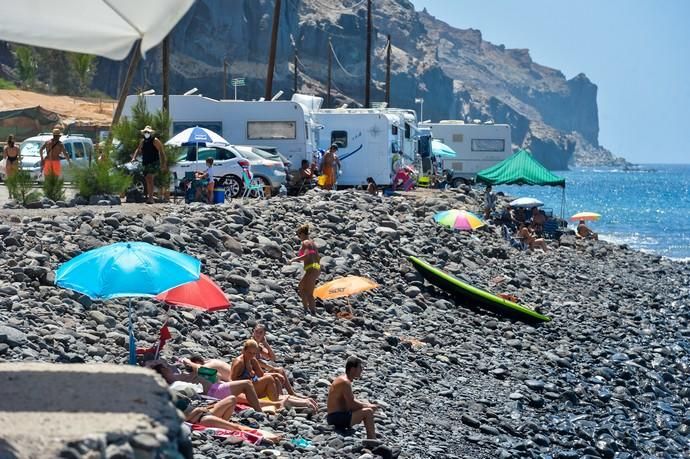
x=551, y=229
x=152, y=353
x=251, y=185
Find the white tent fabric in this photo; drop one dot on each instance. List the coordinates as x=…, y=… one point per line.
x=106, y=28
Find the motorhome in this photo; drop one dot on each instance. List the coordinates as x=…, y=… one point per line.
x=477, y=146
x=371, y=142
x=280, y=124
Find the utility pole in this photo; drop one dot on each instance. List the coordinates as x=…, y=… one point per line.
x=166, y=74
x=367, y=76
x=225, y=78
x=330, y=73
x=295, y=65
x=272, y=53
x=136, y=55
x=388, y=72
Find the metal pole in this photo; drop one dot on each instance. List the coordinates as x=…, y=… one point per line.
x=225, y=79
x=166, y=74
x=132, y=343
x=272, y=53
x=128, y=82
x=235, y=91
x=388, y=72
x=367, y=77
x=330, y=73
x=295, y=64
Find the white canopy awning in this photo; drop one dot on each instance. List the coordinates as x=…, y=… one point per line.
x=106, y=28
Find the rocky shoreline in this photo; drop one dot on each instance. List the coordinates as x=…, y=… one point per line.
x=607, y=377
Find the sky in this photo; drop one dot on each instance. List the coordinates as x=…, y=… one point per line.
x=636, y=51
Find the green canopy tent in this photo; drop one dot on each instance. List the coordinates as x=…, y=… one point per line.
x=521, y=169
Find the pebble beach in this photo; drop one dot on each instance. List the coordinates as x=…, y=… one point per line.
x=608, y=376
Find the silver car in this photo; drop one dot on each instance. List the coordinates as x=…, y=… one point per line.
x=268, y=171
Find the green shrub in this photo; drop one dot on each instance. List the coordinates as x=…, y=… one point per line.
x=4, y=84
x=101, y=177
x=21, y=187
x=54, y=187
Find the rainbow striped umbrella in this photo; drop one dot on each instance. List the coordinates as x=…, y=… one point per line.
x=459, y=219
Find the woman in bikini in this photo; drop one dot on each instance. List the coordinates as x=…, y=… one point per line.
x=309, y=254
x=247, y=367
x=11, y=155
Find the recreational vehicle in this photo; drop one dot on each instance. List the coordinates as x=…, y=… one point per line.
x=279, y=124
x=477, y=146
x=369, y=142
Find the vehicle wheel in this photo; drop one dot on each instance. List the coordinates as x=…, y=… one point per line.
x=233, y=186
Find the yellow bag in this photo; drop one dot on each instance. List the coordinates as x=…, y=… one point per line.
x=321, y=181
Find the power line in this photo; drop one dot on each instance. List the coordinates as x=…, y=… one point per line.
x=341, y=65
x=349, y=9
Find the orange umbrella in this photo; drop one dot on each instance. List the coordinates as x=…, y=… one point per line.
x=344, y=286
x=203, y=294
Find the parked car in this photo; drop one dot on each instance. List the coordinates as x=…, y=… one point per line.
x=78, y=147
x=273, y=154
x=268, y=171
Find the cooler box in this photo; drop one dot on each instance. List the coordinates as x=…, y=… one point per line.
x=219, y=195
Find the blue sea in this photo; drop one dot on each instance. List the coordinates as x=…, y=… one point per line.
x=647, y=209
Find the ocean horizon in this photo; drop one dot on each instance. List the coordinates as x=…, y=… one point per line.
x=646, y=208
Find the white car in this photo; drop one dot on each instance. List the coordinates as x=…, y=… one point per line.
x=78, y=147
x=227, y=167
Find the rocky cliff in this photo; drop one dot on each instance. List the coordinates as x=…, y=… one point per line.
x=457, y=73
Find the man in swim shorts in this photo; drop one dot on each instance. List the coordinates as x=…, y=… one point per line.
x=344, y=410
x=55, y=150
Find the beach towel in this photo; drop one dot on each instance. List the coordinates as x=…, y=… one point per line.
x=250, y=436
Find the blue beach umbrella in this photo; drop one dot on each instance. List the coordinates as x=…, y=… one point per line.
x=127, y=269
x=196, y=136
x=439, y=148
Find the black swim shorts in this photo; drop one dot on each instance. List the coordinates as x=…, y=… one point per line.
x=340, y=419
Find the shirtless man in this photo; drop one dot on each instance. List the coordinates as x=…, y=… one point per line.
x=344, y=410
x=55, y=150
x=584, y=232
x=266, y=353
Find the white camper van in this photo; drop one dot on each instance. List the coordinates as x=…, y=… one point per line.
x=280, y=124
x=477, y=146
x=369, y=142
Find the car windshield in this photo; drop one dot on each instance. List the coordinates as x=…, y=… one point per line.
x=30, y=148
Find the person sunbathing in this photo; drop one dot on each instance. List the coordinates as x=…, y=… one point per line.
x=526, y=236
x=244, y=390
x=217, y=413
x=344, y=410
x=224, y=370
x=584, y=232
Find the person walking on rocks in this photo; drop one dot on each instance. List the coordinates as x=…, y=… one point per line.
x=153, y=159
x=10, y=154
x=309, y=255
x=55, y=150
x=344, y=410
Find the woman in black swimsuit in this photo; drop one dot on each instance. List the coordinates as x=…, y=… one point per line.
x=11, y=155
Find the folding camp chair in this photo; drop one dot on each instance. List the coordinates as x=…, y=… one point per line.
x=251, y=185
x=153, y=352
